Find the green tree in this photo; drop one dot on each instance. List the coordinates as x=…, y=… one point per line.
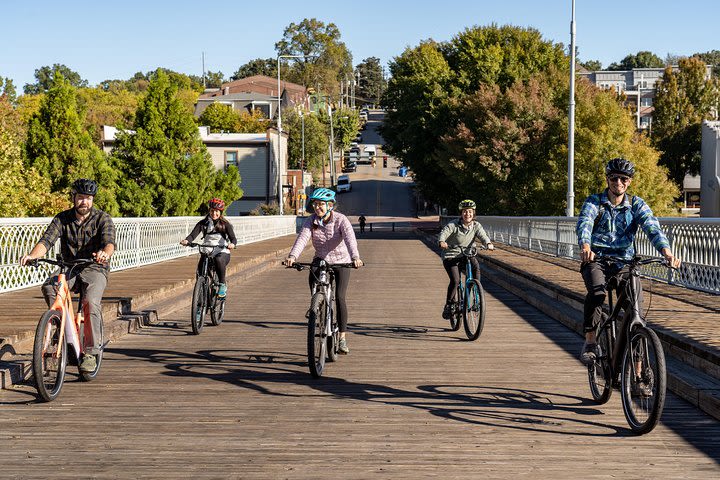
x=166, y=169
x=220, y=117
x=59, y=147
x=592, y=65
x=259, y=66
x=115, y=107
x=23, y=191
x=214, y=79
x=711, y=58
x=316, y=140
x=683, y=99
x=643, y=59
x=44, y=78
x=252, y=122
x=7, y=89
x=325, y=58
x=372, y=84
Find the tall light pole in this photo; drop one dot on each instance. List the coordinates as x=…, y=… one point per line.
x=279, y=126
x=332, y=140
x=570, y=211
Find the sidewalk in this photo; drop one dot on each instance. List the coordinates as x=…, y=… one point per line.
x=160, y=287
x=686, y=321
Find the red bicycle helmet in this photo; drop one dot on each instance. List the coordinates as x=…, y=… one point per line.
x=217, y=204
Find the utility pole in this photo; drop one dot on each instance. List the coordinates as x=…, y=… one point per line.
x=203, y=66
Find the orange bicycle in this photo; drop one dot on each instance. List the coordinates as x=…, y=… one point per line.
x=59, y=328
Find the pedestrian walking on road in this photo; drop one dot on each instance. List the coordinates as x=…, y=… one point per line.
x=362, y=221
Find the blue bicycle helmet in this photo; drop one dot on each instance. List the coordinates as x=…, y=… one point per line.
x=322, y=194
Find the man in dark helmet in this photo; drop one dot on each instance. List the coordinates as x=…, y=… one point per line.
x=85, y=233
x=607, y=225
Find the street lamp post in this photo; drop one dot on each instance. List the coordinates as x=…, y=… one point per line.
x=332, y=141
x=279, y=125
x=571, y=121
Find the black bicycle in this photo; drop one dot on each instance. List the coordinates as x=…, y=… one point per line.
x=323, y=334
x=630, y=355
x=469, y=307
x=206, y=288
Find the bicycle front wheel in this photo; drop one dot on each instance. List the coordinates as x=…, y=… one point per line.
x=643, y=380
x=49, y=356
x=217, y=304
x=600, y=372
x=474, y=310
x=316, y=337
x=199, y=305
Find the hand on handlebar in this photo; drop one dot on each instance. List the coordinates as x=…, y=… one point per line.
x=184, y=242
x=671, y=259
x=101, y=256
x=490, y=246
x=25, y=259
x=586, y=255
x=288, y=262
x=357, y=263
x=443, y=245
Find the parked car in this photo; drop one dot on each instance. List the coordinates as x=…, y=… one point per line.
x=350, y=166
x=343, y=184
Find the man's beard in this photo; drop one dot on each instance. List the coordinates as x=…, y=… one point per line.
x=82, y=210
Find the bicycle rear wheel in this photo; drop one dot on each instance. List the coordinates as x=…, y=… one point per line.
x=199, y=305
x=316, y=338
x=643, y=380
x=217, y=304
x=600, y=372
x=474, y=310
x=456, y=313
x=49, y=356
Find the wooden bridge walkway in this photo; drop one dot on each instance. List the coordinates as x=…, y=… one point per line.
x=412, y=399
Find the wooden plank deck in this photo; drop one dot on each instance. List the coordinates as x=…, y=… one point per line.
x=411, y=400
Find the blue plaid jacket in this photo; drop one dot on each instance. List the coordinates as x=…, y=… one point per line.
x=611, y=230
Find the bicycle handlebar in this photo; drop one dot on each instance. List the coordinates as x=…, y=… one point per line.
x=60, y=263
x=300, y=266
x=637, y=260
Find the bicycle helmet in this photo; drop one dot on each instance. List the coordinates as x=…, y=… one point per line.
x=217, y=204
x=466, y=204
x=621, y=166
x=324, y=194
x=85, y=186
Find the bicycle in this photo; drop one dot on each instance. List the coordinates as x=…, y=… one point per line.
x=323, y=334
x=630, y=355
x=469, y=307
x=205, y=291
x=60, y=327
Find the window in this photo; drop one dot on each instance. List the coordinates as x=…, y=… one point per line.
x=231, y=158
x=646, y=102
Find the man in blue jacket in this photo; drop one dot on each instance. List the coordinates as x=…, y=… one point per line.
x=607, y=225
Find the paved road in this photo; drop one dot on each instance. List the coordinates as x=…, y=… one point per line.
x=412, y=399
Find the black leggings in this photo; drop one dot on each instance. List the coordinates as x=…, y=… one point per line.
x=342, y=280
x=221, y=262
x=452, y=267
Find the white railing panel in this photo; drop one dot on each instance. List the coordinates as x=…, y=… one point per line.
x=695, y=240
x=139, y=241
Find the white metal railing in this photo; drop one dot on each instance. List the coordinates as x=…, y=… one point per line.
x=694, y=240
x=139, y=241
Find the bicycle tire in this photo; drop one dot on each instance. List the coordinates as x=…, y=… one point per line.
x=316, y=338
x=197, y=311
x=600, y=372
x=89, y=376
x=48, y=369
x=456, y=313
x=217, y=304
x=474, y=310
x=333, y=340
x=643, y=412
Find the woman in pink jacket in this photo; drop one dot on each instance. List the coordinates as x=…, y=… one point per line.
x=334, y=241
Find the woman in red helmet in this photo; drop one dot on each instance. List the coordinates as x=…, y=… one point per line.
x=219, y=232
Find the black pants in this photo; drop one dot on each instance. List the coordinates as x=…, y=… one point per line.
x=452, y=267
x=221, y=261
x=595, y=275
x=342, y=280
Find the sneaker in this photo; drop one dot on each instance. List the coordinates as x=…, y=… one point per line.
x=641, y=389
x=342, y=347
x=222, y=290
x=447, y=311
x=88, y=364
x=589, y=353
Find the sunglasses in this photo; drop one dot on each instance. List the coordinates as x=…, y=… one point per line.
x=317, y=204
x=615, y=178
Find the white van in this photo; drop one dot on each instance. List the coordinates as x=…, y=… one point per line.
x=370, y=151
x=343, y=184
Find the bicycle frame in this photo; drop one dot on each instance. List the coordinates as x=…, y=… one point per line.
x=70, y=323
x=324, y=282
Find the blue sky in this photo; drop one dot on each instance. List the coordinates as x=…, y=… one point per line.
x=108, y=40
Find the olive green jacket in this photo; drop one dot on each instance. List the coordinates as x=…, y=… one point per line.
x=458, y=237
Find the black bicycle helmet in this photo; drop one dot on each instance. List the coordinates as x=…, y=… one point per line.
x=85, y=186
x=621, y=166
